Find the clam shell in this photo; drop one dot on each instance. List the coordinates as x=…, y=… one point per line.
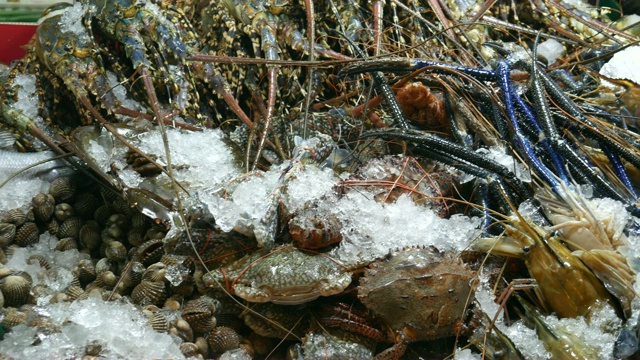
x=7, y=234
x=66, y=244
x=89, y=235
x=13, y=317
x=52, y=227
x=15, y=289
x=155, y=272
x=70, y=228
x=103, y=265
x=86, y=204
x=150, y=252
x=27, y=234
x=181, y=329
x=14, y=216
x=40, y=260
x=43, y=207
x=139, y=220
x=133, y=274
x=121, y=206
x=158, y=320
x=106, y=279
x=222, y=339
x=102, y=214
x=135, y=236
x=74, y=292
x=62, y=189
x=174, y=302
x=189, y=349
x=63, y=212
x=149, y=293
x=85, y=271
x=199, y=314
x=115, y=251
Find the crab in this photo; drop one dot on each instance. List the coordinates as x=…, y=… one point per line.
x=419, y=293
x=285, y=276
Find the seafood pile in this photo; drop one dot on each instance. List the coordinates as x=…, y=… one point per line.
x=322, y=179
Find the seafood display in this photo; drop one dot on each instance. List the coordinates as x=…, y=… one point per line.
x=321, y=179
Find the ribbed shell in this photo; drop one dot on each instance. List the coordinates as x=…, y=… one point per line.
x=102, y=214
x=199, y=314
x=52, y=226
x=43, y=207
x=150, y=252
x=40, y=260
x=13, y=317
x=158, y=320
x=103, y=265
x=62, y=189
x=7, y=234
x=149, y=293
x=70, y=228
x=27, y=234
x=74, y=292
x=90, y=235
x=85, y=271
x=189, y=349
x=63, y=211
x=106, y=279
x=14, y=216
x=115, y=251
x=132, y=274
x=66, y=244
x=222, y=339
x=86, y=204
x=155, y=272
x=15, y=289
x=181, y=329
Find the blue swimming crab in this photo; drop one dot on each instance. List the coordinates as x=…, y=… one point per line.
x=285, y=275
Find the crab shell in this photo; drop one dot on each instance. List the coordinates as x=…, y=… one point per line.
x=420, y=290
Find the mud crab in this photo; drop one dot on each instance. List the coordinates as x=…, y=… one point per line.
x=419, y=293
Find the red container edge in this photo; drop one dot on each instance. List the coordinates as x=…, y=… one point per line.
x=17, y=35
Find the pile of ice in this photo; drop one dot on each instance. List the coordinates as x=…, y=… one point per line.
x=121, y=330
x=207, y=167
x=118, y=327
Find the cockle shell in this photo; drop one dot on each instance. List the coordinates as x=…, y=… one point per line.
x=63, y=189
x=102, y=214
x=131, y=275
x=181, y=329
x=27, y=234
x=103, y=265
x=15, y=289
x=52, y=227
x=40, y=260
x=106, y=279
x=43, y=206
x=189, y=349
x=90, y=235
x=74, y=292
x=7, y=234
x=66, y=244
x=63, y=212
x=199, y=314
x=14, y=216
x=149, y=252
x=157, y=318
x=14, y=317
x=70, y=228
x=222, y=339
x=85, y=271
x=149, y=293
x=86, y=204
x=115, y=251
